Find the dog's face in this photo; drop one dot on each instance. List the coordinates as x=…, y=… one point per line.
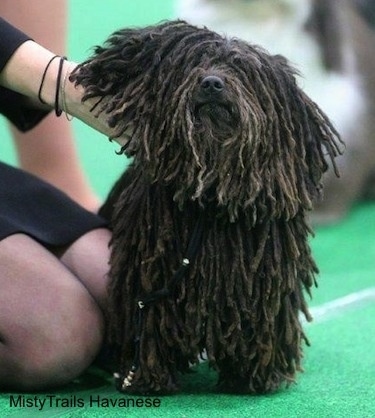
x=214, y=119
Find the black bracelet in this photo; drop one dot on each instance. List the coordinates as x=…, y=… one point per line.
x=43, y=79
x=59, y=111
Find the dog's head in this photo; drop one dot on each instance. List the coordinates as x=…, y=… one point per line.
x=214, y=119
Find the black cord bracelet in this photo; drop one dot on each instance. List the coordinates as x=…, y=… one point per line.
x=59, y=111
x=43, y=79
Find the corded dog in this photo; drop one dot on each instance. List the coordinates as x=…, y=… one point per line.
x=210, y=247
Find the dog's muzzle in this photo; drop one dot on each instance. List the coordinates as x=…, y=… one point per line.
x=211, y=90
x=211, y=86
x=212, y=99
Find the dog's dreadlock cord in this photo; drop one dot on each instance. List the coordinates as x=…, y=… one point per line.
x=192, y=250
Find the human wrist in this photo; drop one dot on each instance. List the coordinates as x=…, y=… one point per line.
x=34, y=72
x=71, y=97
x=57, y=90
x=72, y=104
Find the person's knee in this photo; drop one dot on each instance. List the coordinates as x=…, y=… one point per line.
x=54, y=357
x=47, y=371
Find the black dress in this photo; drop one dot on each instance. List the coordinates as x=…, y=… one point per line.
x=27, y=204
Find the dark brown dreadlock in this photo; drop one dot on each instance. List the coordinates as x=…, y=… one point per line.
x=248, y=160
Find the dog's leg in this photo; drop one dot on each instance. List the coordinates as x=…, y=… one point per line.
x=272, y=361
x=151, y=361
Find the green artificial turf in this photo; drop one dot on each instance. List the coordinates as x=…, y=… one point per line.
x=338, y=382
x=339, y=378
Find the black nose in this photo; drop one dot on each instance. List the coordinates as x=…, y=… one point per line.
x=212, y=84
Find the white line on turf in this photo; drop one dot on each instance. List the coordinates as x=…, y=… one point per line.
x=327, y=310
x=330, y=309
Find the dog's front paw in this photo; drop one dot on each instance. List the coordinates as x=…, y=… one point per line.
x=252, y=385
x=134, y=383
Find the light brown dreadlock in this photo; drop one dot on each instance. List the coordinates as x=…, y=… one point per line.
x=250, y=164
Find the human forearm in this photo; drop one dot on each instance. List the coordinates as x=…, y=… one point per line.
x=24, y=71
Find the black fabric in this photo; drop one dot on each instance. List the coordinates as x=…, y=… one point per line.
x=33, y=207
x=10, y=39
x=15, y=107
x=19, y=110
x=27, y=204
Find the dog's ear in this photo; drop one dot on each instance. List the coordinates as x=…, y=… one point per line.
x=119, y=75
x=127, y=74
x=307, y=143
x=110, y=77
